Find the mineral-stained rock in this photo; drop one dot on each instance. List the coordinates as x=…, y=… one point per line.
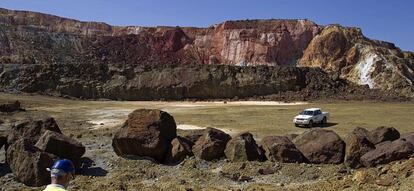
x=81, y=50
x=146, y=133
x=10, y=106
x=388, y=152
x=61, y=146
x=321, y=146
x=252, y=42
x=243, y=147
x=346, y=51
x=281, y=149
x=179, y=149
x=29, y=163
x=211, y=145
x=382, y=134
x=32, y=128
x=356, y=145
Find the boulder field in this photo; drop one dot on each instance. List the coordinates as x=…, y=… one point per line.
x=152, y=134
x=32, y=144
x=317, y=146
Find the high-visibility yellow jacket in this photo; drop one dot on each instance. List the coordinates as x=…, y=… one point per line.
x=54, y=187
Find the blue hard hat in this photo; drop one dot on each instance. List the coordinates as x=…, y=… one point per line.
x=64, y=165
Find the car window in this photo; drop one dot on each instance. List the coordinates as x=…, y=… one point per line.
x=306, y=113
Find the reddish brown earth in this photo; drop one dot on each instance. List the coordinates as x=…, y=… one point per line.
x=345, y=53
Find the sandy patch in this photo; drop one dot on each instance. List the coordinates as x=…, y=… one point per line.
x=195, y=127
x=107, y=117
x=188, y=105
x=233, y=103
x=189, y=127
x=262, y=103
x=97, y=124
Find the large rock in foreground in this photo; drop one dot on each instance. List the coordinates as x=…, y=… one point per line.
x=360, y=131
x=281, y=149
x=382, y=134
x=321, y=146
x=388, y=152
x=243, y=147
x=211, y=144
x=31, y=129
x=146, y=133
x=179, y=149
x=409, y=137
x=61, y=145
x=357, y=144
x=29, y=164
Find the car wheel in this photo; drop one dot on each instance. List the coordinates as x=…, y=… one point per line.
x=296, y=125
x=324, y=120
x=310, y=125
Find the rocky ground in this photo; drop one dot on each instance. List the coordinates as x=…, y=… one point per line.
x=289, y=60
x=103, y=169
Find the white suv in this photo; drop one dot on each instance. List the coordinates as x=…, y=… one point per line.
x=310, y=116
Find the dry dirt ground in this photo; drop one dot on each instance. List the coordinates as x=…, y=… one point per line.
x=94, y=122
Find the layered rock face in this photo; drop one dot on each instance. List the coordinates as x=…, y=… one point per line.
x=31, y=38
x=38, y=38
x=377, y=64
x=136, y=82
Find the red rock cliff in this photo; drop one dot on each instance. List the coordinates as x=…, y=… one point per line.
x=34, y=38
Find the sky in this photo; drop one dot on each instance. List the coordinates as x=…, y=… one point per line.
x=388, y=20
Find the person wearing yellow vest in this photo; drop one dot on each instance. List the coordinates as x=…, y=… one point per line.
x=61, y=173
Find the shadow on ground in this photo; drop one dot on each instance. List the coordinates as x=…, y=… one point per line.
x=88, y=168
x=4, y=169
x=325, y=125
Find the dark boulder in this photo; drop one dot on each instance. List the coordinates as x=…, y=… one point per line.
x=31, y=129
x=139, y=142
x=194, y=135
x=152, y=119
x=281, y=149
x=211, y=144
x=179, y=149
x=146, y=133
x=10, y=106
x=321, y=146
x=361, y=132
x=3, y=140
x=408, y=137
x=388, y=152
x=382, y=134
x=61, y=146
x=243, y=147
x=356, y=145
x=292, y=136
x=29, y=163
